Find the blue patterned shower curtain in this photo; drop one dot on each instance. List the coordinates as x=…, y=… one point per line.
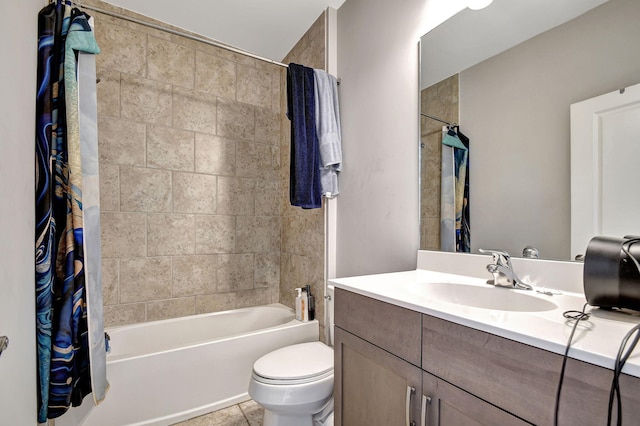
x=66, y=349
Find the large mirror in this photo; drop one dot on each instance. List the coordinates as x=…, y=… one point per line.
x=508, y=75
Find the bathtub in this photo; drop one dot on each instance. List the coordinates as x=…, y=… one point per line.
x=163, y=372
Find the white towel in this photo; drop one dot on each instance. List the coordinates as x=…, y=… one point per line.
x=328, y=131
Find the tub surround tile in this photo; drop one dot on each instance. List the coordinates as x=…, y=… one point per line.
x=249, y=298
x=145, y=101
x=110, y=278
x=145, y=279
x=169, y=148
x=170, y=234
x=267, y=198
x=256, y=234
x=121, y=141
x=170, y=63
x=254, y=85
x=215, y=155
x=194, y=110
x=172, y=308
x=123, y=314
x=145, y=190
x=108, y=93
x=236, y=120
x=123, y=234
x=235, y=272
x=267, y=126
x=236, y=196
x=121, y=49
x=215, y=302
x=109, y=187
x=194, y=193
x=215, y=75
x=215, y=234
x=256, y=160
x=194, y=275
x=267, y=270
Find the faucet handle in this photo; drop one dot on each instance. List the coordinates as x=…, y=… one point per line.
x=500, y=258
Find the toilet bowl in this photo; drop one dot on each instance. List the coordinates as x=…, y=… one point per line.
x=294, y=384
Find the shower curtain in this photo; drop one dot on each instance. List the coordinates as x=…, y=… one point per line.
x=70, y=344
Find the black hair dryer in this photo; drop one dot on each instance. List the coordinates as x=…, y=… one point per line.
x=612, y=272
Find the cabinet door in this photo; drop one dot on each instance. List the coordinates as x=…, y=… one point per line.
x=372, y=386
x=451, y=406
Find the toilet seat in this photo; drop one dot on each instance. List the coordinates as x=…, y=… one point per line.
x=296, y=364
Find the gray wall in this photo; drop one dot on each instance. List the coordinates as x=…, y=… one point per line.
x=515, y=109
x=378, y=203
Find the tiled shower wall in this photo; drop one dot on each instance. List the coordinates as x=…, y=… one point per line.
x=439, y=100
x=302, y=256
x=190, y=175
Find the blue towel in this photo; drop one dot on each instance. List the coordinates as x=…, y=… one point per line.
x=304, y=190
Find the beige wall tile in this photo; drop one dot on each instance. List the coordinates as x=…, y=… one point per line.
x=255, y=160
x=110, y=278
x=215, y=302
x=215, y=75
x=277, y=98
x=144, y=279
x=170, y=234
x=116, y=315
x=268, y=126
x=257, y=297
x=145, y=100
x=121, y=141
x=169, y=148
x=145, y=190
x=170, y=63
x=235, y=196
x=304, y=235
x=215, y=155
x=109, y=187
x=257, y=234
x=235, y=120
x=254, y=86
x=267, y=198
x=235, y=272
x=194, y=193
x=123, y=234
x=108, y=93
x=121, y=49
x=215, y=234
x=194, y=275
x=267, y=270
x=194, y=110
x=171, y=308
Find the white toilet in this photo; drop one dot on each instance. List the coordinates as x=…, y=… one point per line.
x=294, y=384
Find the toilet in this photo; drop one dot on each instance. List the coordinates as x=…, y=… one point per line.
x=294, y=384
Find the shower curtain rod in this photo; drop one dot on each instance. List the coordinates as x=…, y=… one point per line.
x=178, y=33
x=439, y=119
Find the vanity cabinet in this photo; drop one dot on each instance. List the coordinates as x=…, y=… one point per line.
x=377, y=362
x=469, y=376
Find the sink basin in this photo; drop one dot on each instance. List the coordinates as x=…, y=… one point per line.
x=486, y=297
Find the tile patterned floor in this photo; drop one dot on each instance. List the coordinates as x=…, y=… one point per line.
x=245, y=414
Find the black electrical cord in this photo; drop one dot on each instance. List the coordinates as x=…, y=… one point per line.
x=577, y=316
x=621, y=359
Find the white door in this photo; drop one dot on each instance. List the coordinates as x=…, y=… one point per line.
x=17, y=302
x=605, y=158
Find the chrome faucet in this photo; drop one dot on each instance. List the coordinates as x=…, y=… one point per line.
x=502, y=271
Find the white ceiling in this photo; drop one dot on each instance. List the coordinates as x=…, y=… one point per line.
x=268, y=28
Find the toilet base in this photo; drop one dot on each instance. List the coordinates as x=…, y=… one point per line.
x=273, y=419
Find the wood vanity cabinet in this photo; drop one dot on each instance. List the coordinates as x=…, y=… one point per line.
x=469, y=376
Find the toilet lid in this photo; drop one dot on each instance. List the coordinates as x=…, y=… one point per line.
x=295, y=363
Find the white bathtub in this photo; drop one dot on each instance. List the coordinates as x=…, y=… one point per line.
x=163, y=372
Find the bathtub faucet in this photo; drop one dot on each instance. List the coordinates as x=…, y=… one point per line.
x=502, y=271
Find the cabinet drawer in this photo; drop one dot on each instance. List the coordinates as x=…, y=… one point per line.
x=520, y=378
x=394, y=329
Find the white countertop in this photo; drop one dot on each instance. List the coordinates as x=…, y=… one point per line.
x=595, y=341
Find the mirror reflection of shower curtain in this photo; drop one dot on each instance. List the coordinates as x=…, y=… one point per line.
x=454, y=192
